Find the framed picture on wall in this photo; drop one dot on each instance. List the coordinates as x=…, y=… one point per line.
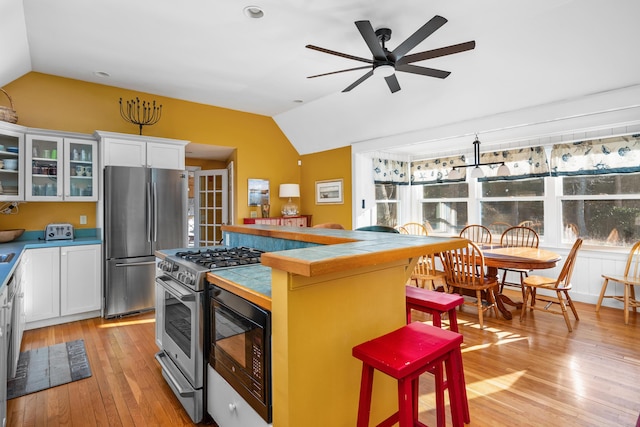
x=258, y=192
x=329, y=192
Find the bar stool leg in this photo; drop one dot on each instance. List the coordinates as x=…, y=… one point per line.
x=453, y=320
x=366, y=388
x=439, y=391
x=405, y=401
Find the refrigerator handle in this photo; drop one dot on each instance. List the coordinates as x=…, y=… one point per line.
x=149, y=217
x=155, y=213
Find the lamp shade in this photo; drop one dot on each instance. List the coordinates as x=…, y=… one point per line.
x=289, y=190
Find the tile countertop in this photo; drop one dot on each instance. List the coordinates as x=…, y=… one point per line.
x=35, y=239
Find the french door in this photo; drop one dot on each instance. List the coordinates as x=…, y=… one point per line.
x=211, y=191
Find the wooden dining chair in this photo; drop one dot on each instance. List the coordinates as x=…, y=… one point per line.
x=476, y=233
x=560, y=285
x=460, y=267
x=518, y=236
x=414, y=228
x=426, y=274
x=629, y=279
x=499, y=227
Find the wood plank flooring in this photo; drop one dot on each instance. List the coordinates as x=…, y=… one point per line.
x=533, y=373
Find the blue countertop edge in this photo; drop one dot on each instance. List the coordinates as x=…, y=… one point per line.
x=34, y=240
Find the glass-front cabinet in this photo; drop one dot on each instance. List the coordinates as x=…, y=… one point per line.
x=60, y=169
x=11, y=165
x=80, y=170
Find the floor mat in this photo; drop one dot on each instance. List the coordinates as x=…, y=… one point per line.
x=48, y=367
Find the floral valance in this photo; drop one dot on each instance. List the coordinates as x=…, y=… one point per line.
x=527, y=162
x=387, y=171
x=620, y=154
x=437, y=170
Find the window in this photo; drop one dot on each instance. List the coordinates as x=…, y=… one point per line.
x=517, y=202
x=387, y=204
x=601, y=209
x=444, y=206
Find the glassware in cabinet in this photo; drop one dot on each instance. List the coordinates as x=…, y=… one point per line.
x=44, y=167
x=80, y=159
x=11, y=165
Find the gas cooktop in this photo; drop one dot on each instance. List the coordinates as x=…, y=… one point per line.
x=221, y=257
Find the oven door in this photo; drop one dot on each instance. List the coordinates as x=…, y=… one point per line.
x=182, y=327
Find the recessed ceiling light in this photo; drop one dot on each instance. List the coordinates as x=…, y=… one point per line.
x=255, y=12
x=101, y=74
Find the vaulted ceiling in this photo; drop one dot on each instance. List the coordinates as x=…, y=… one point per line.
x=528, y=53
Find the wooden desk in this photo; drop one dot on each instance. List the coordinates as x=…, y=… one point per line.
x=515, y=258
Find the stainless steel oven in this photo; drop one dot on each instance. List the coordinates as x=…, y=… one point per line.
x=182, y=333
x=183, y=319
x=241, y=347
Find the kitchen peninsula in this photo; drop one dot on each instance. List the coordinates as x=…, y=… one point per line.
x=330, y=290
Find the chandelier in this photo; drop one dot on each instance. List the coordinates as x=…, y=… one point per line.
x=503, y=170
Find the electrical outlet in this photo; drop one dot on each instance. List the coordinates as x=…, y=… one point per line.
x=83, y=219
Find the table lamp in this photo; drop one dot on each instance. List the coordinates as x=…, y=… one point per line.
x=289, y=190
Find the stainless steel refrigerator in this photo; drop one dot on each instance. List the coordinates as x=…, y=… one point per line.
x=144, y=210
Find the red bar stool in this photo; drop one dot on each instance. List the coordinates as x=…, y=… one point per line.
x=405, y=354
x=434, y=303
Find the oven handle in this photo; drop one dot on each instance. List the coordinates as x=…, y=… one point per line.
x=165, y=368
x=175, y=291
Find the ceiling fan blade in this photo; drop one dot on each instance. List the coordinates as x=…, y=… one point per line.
x=357, y=82
x=392, y=82
x=416, y=38
x=369, y=36
x=431, y=72
x=343, y=55
x=435, y=53
x=341, y=71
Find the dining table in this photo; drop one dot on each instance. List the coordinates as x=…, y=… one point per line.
x=521, y=258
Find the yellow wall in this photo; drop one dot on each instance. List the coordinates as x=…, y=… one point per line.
x=327, y=165
x=50, y=102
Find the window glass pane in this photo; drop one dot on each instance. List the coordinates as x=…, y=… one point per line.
x=386, y=191
x=445, y=191
x=517, y=188
x=445, y=217
x=601, y=184
x=514, y=212
x=387, y=214
x=602, y=222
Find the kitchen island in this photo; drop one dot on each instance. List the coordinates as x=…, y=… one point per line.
x=330, y=290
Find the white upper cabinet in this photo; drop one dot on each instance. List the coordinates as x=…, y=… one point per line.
x=133, y=150
x=61, y=168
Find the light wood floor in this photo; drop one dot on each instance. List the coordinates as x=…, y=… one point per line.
x=529, y=374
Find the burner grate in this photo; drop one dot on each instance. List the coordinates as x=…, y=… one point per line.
x=222, y=257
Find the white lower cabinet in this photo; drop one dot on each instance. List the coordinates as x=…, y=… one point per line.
x=227, y=407
x=62, y=284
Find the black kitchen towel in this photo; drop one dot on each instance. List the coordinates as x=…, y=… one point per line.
x=48, y=367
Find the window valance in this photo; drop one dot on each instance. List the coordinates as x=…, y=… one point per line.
x=387, y=171
x=620, y=154
x=437, y=170
x=526, y=162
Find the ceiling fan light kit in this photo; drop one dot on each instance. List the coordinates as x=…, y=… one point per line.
x=386, y=63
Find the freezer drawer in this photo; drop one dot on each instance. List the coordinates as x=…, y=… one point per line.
x=129, y=285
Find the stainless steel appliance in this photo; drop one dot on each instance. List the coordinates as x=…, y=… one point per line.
x=58, y=232
x=144, y=210
x=182, y=319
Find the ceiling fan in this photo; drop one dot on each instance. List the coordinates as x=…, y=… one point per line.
x=387, y=62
